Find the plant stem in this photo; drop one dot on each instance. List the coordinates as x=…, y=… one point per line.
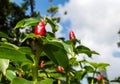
x=67, y=78
x=68, y=75
x=92, y=82
x=36, y=62
x=35, y=71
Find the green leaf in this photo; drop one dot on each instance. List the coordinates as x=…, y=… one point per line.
x=25, y=50
x=89, y=69
x=67, y=47
x=27, y=22
x=80, y=74
x=102, y=66
x=46, y=81
x=8, y=45
x=73, y=61
x=21, y=81
x=53, y=25
x=10, y=75
x=85, y=50
x=31, y=35
x=3, y=35
x=13, y=54
x=56, y=52
x=4, y=63
x=94, y=64
x=24, y=81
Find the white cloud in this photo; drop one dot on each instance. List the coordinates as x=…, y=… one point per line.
x=96, y=23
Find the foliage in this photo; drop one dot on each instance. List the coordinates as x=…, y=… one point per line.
x=23, y=61
x=10, y=14
x=117, y=79
x=22, y=53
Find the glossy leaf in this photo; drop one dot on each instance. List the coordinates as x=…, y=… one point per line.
x=4, y=63
x=10, y=75
x=67, y=47
x=31, y=35
x=27, y=22
x=13, y=54
x=53, y=25
x=8, y=45
x=56, y=52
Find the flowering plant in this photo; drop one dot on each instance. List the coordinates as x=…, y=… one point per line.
x=41, y=58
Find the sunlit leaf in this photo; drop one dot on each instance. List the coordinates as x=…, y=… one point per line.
x=31, y=35
x=8, y=45
x=21, y=81
x=101, y=66
x=27, y=22
x=52, y=24
x=10, y=75
x=4, y=63
x=24, y=81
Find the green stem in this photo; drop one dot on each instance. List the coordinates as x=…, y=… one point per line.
x=67, y=79
x=92, y=82
x=81, y=65
x=68, y=75
x=35, y=72
x=36, y=62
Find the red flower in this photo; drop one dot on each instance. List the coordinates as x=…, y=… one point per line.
x=40, y=29
x=41, y=64
x=100, y=77
x=60, y=69
x=71, y=35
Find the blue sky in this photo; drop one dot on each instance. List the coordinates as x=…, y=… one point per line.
x=42, y=5
x=95, y=23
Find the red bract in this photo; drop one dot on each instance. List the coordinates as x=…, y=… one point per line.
x=40, y=29
x=20, y=75
x=100, y=77
x=71, y=35
x=41, y=64
x=60, y=69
